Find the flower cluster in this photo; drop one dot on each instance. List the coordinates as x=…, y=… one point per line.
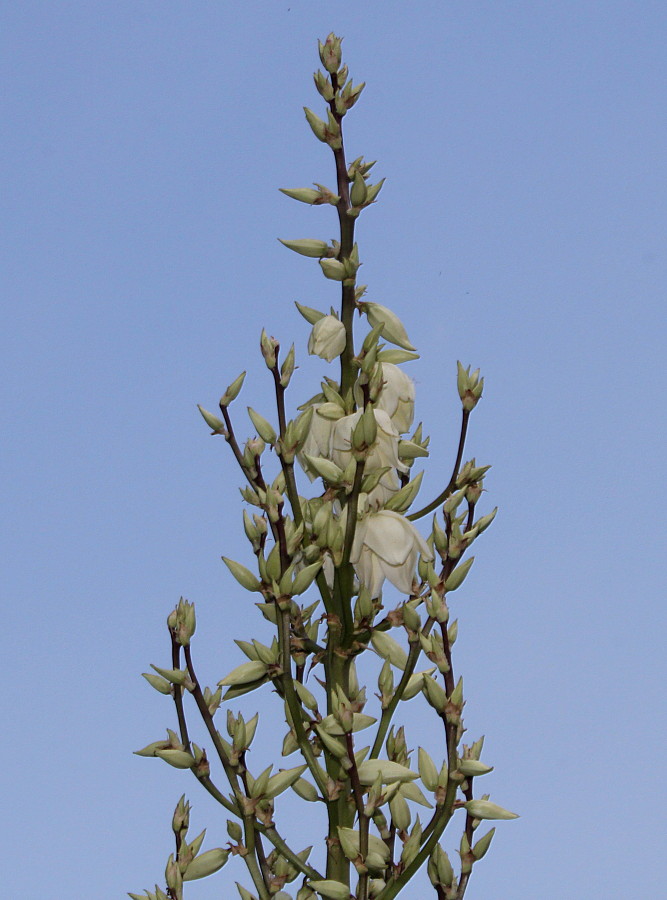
x=342, y=544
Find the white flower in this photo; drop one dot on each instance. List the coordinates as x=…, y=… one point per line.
x=327, y=339
x=384, y=452
x=397, y=397
x=387, y=545
x=318, y=439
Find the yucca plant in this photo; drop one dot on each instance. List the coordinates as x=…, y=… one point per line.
x=325, y=547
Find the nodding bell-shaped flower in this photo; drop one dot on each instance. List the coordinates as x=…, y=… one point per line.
x=397, y=397
x=327, y=339
x=383, y=452
x=387, y=545
x=318, y=439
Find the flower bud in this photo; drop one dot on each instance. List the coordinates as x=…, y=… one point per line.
x=206, y=864
x=484, y=809
x=323, y=85
x=246, y=673
x=156, y=681
x=331, y=53
x=332, y=890
x=173, y=877
x=287, y=368
x=269, y=347
x=386, y=647
x=307, y=247
x=179, y=759
x=393, y=329
x=334, y=269
x=318, y=127
x=358, y=193
x=232, y=391
x=244, y=576
x=472, y=767
x=388, y=771
x=483, y=844
x=264, y=428
x=213, y=422
x=456, y=578
x=305, y=195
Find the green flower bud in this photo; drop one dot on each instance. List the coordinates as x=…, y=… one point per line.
x=179, y=759
x=326, y=469
x=410, y=450
x=484, y=809
x=319, y=128
x=305, y=195
x=393, y=329
x=305, y=790
x=400, y=812
x=359, y=192
x=405, y=496
x=155, y=681
x=330, y=53
x=151, y=749
x=269, y=347
x=310, y=315
x=264, y=428
x=246, y=673
x=232, y=391
x=323, y=85
x=334, y=269
x=427, y=770
x=388, y=771
x=472, y=767
x=181, y=818
x=173, y=877
x=386, y=647
x=483, y=523
x=283, y=780
x=435, y=694
x=455, y=580
x=332, y=744
x=213, y=422
x=307, y=247
x=333, y=890
x=235, y=831
x=483, y=844
x=206, y=864
x=287, y=368
x=244, y=576
x=305, y=578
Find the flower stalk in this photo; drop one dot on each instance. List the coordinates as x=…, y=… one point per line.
x=324, y=565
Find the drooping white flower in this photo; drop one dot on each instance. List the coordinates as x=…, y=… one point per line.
x=387, y=545
x=318, y=439
x=384, y=451
x=327, y=339
x=397, y=397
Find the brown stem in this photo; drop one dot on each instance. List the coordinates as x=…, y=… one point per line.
x=452, y=481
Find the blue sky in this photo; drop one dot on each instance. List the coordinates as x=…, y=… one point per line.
x=521, y=229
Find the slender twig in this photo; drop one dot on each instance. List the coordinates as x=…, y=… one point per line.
x=452, y=481
x=388, y=712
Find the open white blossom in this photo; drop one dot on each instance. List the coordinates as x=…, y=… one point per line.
x=327, y=339
x=384, y=451
x=387, y=545
x=397, y=397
